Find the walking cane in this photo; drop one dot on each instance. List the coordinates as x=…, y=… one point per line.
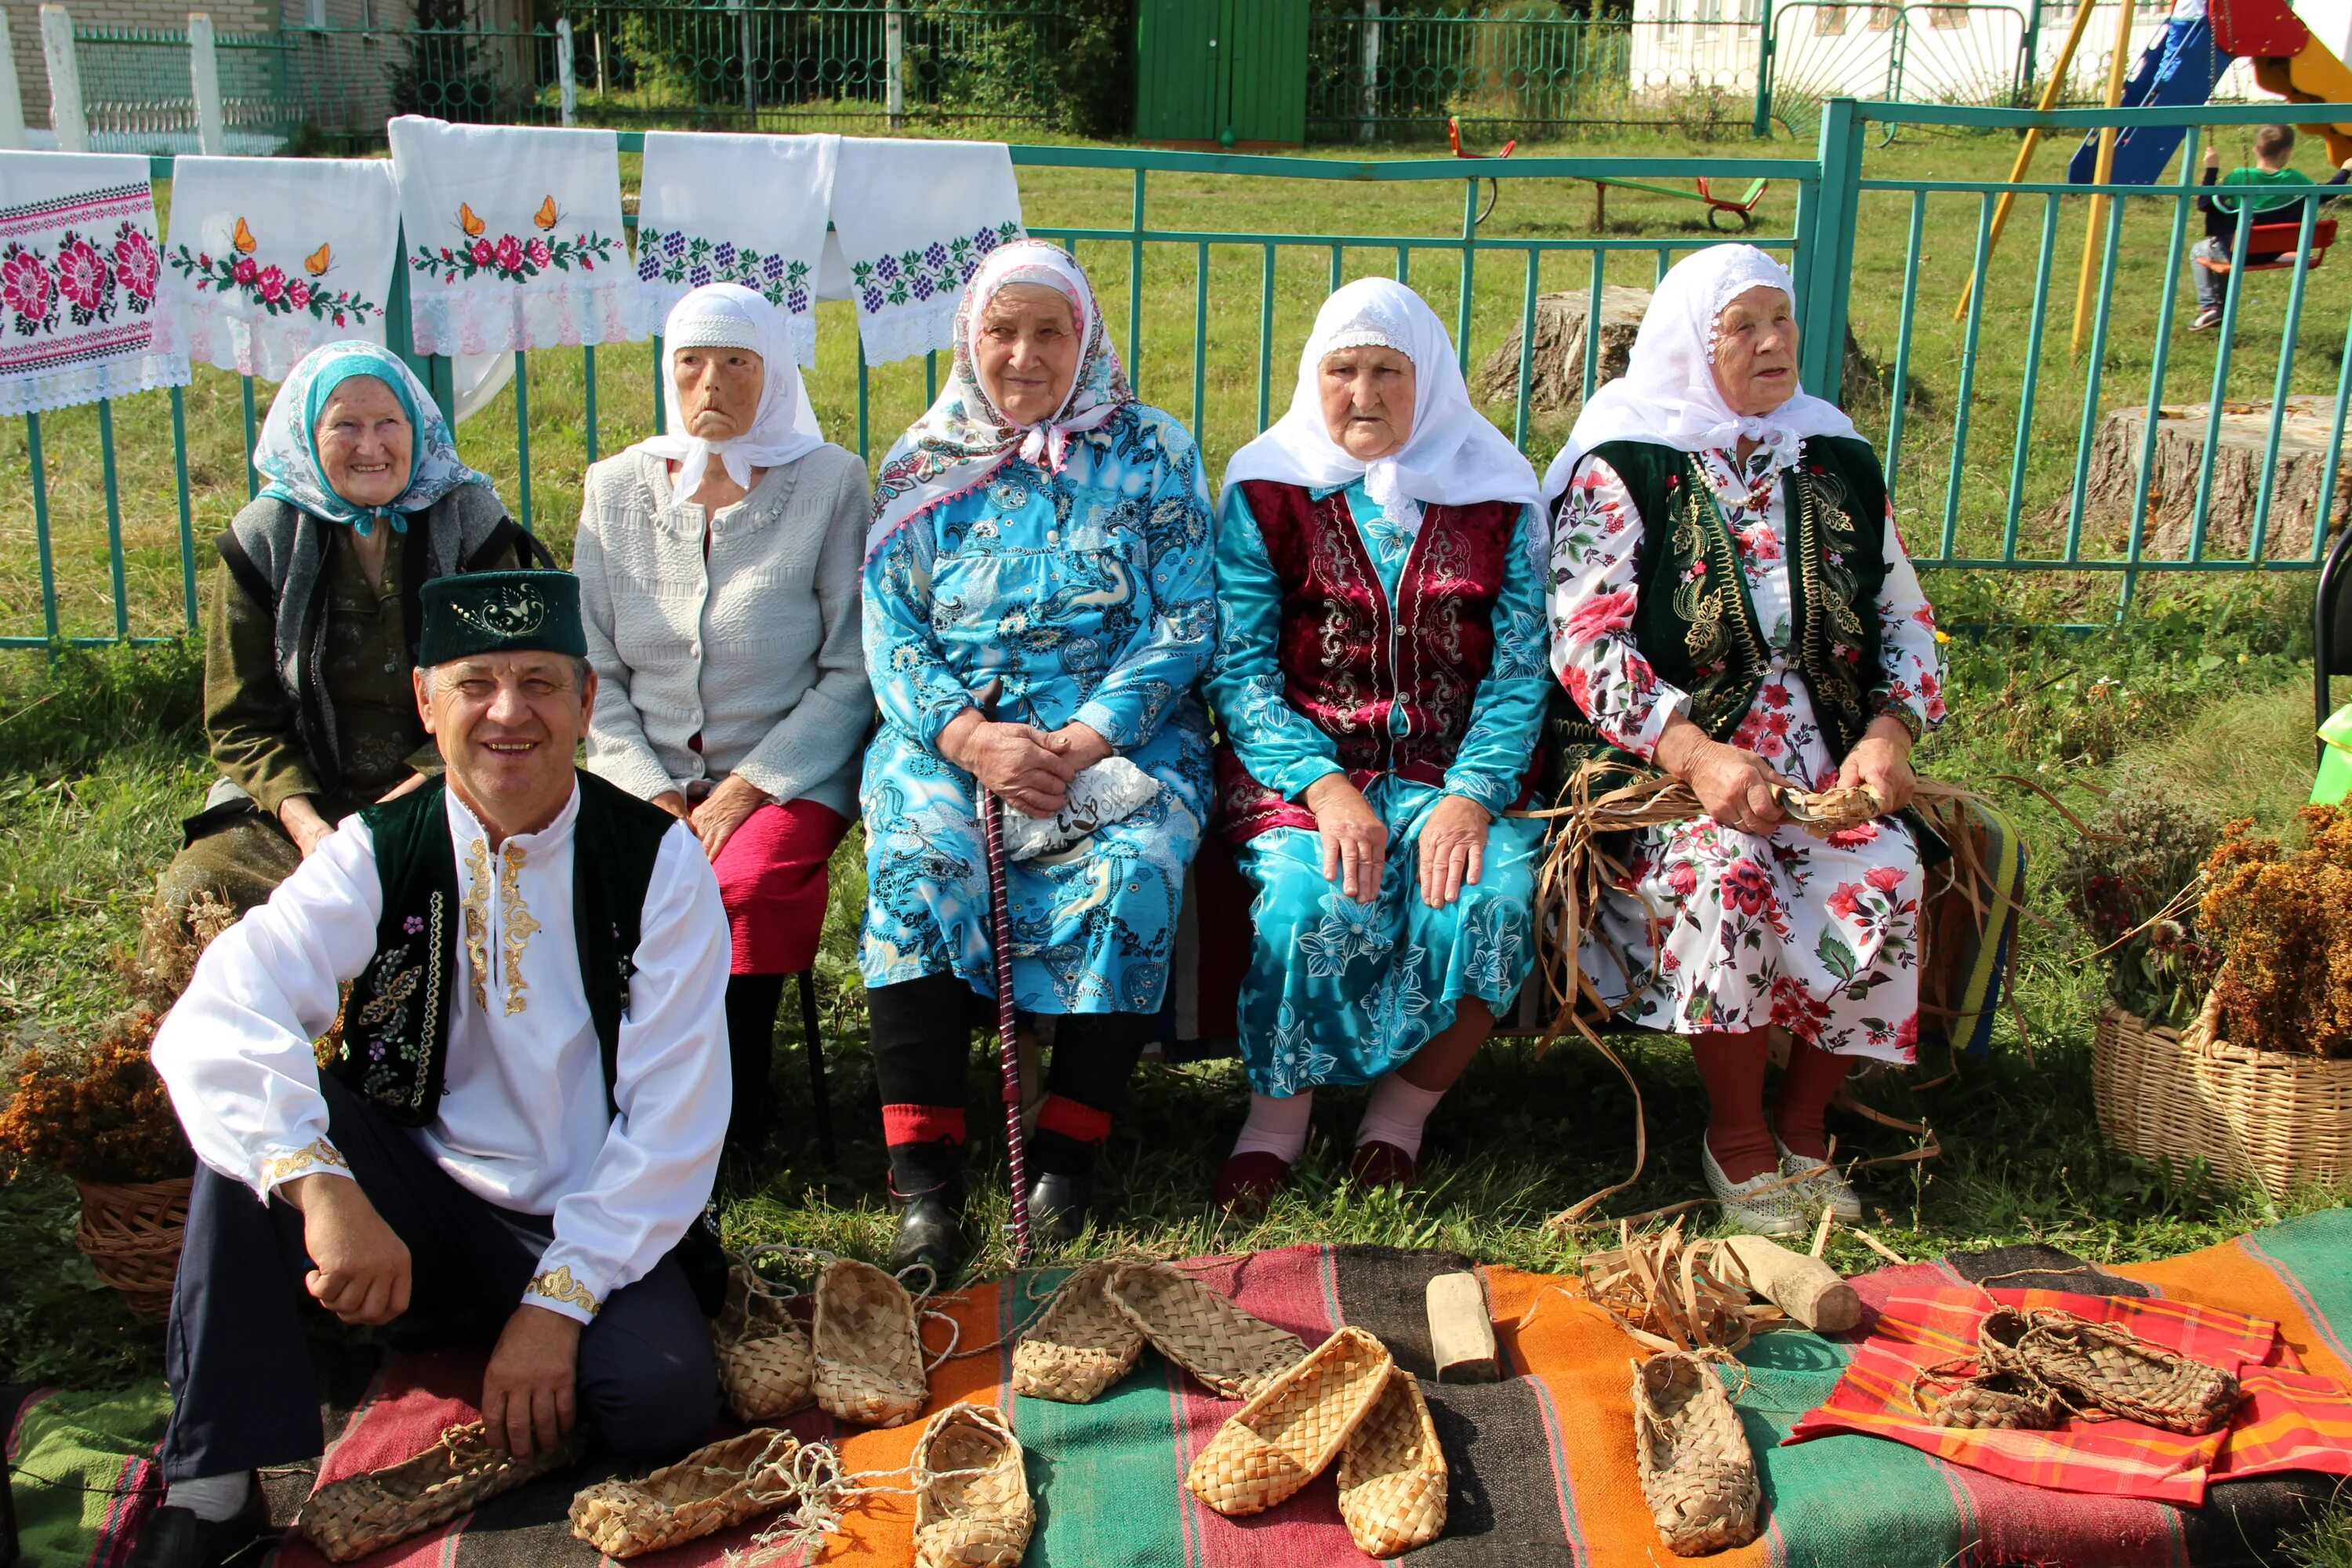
x=999, y=933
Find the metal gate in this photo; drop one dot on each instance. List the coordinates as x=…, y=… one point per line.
x=1977, y=55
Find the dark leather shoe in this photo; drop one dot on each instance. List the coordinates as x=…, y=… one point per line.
x=1378, y=1164
x=931, y=1231
x=176, y=1538
x=1247, y=1183
x=1059, y=1205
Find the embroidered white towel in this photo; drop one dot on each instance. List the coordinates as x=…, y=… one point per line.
x=513, y=236
x=80, y=270
x=268, y=258
x=716, y=209
x=914, y=219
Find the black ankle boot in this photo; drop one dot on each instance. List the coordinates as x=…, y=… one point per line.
x=176, y=1538
x=931, y=1231
x=1060, y=1204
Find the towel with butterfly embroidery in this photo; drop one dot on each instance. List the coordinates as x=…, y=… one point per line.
x=512, y=237
x=269, y=257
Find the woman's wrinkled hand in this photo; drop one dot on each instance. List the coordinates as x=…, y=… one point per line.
x=1080, y=743
x=1016, y=762
x=670, y=800
x=300, y=816
x=1734, y=784
x=1452, y=850
x=724, y=810
x=1355, y=839
x=1881, y=759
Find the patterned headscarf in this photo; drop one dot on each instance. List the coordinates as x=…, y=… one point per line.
x=1454, y=455
x=1668, y=395
x=287, y=451
x=963, y=437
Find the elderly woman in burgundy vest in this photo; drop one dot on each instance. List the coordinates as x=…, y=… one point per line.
x=1380, y=682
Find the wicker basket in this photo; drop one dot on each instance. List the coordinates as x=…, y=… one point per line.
x=2282, y=1120
x=130, y=1233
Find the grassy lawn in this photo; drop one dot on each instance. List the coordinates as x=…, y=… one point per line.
x=2202, y=693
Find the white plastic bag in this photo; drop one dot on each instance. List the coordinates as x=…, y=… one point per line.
x=1105, y=791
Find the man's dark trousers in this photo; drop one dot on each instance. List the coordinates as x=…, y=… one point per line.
x=243, y=1396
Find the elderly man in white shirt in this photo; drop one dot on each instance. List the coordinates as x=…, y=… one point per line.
x=525, y=1111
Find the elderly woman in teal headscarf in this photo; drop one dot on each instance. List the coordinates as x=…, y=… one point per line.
x=311, y=622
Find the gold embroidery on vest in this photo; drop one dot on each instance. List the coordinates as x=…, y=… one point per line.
x=477, y=920
x=1699, y=600
x=519, y=926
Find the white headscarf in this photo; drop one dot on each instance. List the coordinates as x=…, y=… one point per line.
x=729, y=316
x=964, y=436
x=1455, y=456
x=1668, y=395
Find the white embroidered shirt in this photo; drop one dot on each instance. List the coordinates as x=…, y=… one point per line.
x=523, y=1122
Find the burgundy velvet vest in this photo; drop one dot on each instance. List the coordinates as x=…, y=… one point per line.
x=1346, y=653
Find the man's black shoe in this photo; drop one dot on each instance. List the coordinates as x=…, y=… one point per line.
x=176, y=1538
x=1058, y=1207
x=931, y=1231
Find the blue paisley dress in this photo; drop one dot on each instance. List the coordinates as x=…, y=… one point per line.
x=1089, y=594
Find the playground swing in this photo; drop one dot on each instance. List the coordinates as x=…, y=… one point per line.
x=1738, y=212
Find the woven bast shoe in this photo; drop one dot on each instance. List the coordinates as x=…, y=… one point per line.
x=2001, y=1401
x=713, y=1489
x=870, y=1361
x=1829, y=811
x=1282, y=1439
x=359, y=1514
x=2102, y=1364
x=1392, y=1475
x=1697, y=1473
x=972, y=1495
x=765, y=1365
x=1232, y=1353
x=1080, y=1346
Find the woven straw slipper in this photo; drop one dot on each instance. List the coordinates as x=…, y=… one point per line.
x=765, y=1365
x=1697, y=1473
x=1080, y=1346
x=2101, y=1365
x=1229, y=1352
x=972, y=1496
x=870, y=1361
x=712, y=1488
x=1830, y=810
x=2001, y=1401
x=1392, y=1475
x=359, y=1514
x=1282, y=1439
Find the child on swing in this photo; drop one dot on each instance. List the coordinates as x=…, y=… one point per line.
x=2273, y=147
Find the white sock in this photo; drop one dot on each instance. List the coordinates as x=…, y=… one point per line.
x=1277, y=1126
x=1396, y=1112
x=213, y=1498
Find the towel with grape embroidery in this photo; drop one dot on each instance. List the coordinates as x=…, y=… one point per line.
x=512, y=237
x=269, y=257
x=694, y=226
x=914, y=219
x=79, y=272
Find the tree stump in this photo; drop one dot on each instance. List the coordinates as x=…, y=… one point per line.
x=2179, y=461
x=1556, y=373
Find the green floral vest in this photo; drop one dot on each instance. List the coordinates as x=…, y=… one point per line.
x=1696, y=626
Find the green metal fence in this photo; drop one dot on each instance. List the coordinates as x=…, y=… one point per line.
x=138, y=95
x=1987, y=422
x=750, y=64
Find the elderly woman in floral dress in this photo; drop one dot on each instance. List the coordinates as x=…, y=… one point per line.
x=1038, y=601
x=1731, y=606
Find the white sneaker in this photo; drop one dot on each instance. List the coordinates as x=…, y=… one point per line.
x=1824, y=1184
x=1780, y=1212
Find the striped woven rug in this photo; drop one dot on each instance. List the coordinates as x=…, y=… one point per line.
x=1543, y=1467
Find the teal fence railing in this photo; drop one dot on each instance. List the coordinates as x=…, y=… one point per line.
x=2005, y=448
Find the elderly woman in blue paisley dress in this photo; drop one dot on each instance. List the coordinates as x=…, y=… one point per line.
x=1038, y=599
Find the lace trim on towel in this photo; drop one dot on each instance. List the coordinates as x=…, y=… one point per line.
x=498, y=317
x=905, y=333
x=47, y=390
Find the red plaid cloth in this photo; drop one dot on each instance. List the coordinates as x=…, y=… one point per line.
x=2291, y=1419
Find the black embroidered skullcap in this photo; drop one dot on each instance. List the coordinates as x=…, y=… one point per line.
x=471, y=612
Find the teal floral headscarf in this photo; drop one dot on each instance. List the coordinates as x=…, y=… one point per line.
x=287, y=452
